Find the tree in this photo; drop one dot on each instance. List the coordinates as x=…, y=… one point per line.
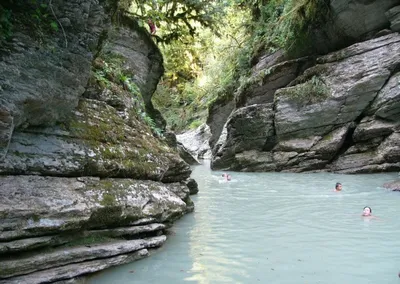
x=176, y=18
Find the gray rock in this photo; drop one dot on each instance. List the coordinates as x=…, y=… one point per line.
x=352, y=163
x=350, y=22
x=126, y=231
x=74, y=270
x=351, y=85
x=292, y=119
x=51, y=241
x=96, y=141
x=32, y=206
x=218, y=114
x=371, y=157
x=102, y=136
x=248, y=128
x=297, y=145
x=387, y=103
x=393, y=16
x=268, y=60
x=143, y=221
x=394, y=185
x=249, y=161
x=330, y=144
x=363, y=47
x=192, y=185
x=170, y=138
x=186, y=155
x=383, y=32
x=61, y=69
x=221, y=140
x=372, y=168
x=261, y=86
x=143, y=60
x=340, y=115
x=140, y=53
x=6, y=130
x=369, y=129
x=389, y=149
x=30, y=244
x=365, y=146
x=267, y=76
x=63, y=131
x=63, y=256
x=180, y=189
x=197, y=141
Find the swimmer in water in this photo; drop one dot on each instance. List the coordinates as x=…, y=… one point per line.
x=338, y=187
x=226, y=176
x=367, y=212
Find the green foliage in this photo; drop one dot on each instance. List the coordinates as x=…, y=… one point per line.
x=287, y=24
x=182, y=62
x=108, y=200
x=32, y=15
x=108, y=73
x=41, y=16
x=199, y=72
x=150, y=122
x=5, y=23
x=309, y=92
x=54, y=26
x=176, y=18
x=195, y=124
x=214, y=65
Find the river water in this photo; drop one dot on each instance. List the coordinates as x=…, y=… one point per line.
x=278, y=228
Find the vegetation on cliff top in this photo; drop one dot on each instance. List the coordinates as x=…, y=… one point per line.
x=175, y=18
x=215, y=62
x=209, y=46
x=37, y=16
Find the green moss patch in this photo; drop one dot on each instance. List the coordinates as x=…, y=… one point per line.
x=117, y=147
x=310, y=92
x=106, y=216
x=34, y=17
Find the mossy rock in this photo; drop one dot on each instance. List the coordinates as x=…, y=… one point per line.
x=310, y=92
x=116, y=148
x=106, y=216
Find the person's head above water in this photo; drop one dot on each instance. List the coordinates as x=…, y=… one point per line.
x=226, y=176
x=338, y=186
x=367, y=211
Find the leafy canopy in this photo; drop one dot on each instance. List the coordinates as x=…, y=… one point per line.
x=200, y=69
x=176, y=18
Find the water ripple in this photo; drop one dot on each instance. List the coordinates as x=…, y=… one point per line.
x=278, y=228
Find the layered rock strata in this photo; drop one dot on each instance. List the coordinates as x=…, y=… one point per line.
x=86, y=179
x=341, y=115
x=336, y=112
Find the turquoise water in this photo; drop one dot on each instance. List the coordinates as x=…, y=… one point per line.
x=278, y=228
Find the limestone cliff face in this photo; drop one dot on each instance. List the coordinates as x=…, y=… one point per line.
x=338, y=112
x=86, y=182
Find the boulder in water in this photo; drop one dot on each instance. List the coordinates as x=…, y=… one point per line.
x=394, y=185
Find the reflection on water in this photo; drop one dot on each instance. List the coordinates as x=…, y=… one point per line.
x=278, y=228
